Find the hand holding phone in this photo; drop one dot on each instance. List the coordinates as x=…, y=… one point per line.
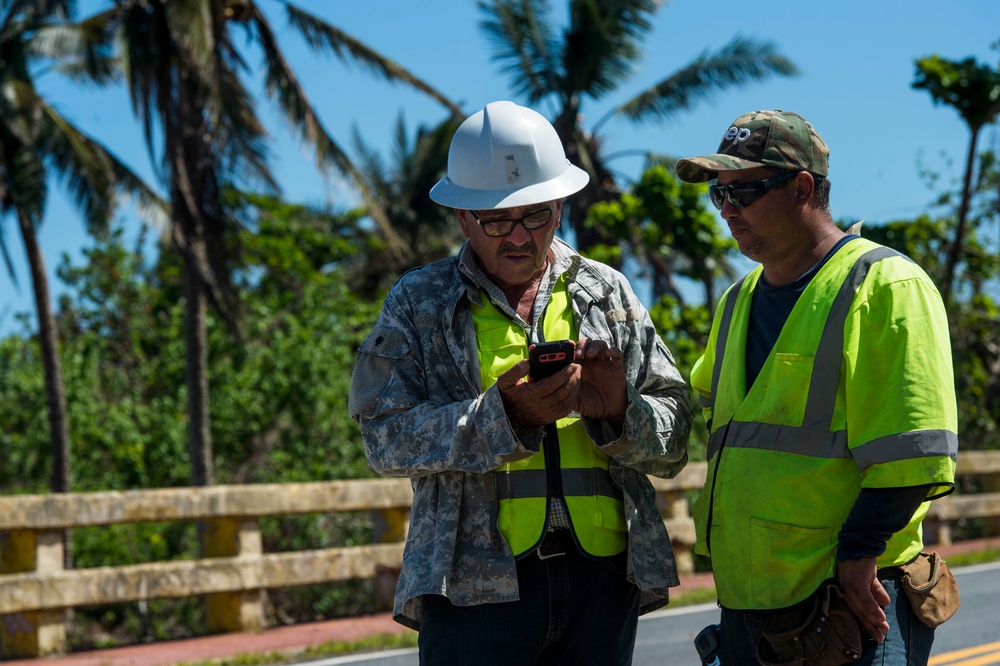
x=545, y=358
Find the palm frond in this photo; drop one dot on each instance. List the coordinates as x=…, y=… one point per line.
x=18, y=108
x=740, y=61
x=7, y=262
x=241, y=139
x=84, y=169
x=150, y=206
x=604, y=42
x=282, y=85
x=370, y=163
x=525, y=45
x=27, y=181
x=41, y=10
x=322, y=36
x=83, y=52
x=194, y=29
x=143, y=39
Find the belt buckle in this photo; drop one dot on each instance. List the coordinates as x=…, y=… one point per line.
x=543, y=552
x=543, y=556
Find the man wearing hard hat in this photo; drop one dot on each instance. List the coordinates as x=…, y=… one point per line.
x=534, y=533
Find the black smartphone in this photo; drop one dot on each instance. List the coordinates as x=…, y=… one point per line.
x=547, y=357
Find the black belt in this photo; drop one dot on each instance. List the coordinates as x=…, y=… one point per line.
x=556, y=543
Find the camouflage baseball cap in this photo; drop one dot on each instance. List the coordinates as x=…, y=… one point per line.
x=779, y=139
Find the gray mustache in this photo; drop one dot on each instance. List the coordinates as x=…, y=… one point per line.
x=510, y=248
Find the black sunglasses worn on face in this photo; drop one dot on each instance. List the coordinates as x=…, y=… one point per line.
x=742, y=195
x=503, y=227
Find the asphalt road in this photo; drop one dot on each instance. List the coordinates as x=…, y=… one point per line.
x=970, y=638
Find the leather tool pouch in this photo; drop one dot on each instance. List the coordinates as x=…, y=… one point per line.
x=931, y=587
x=820, y=631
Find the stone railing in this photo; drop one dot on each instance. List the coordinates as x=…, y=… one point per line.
x=36, y=592
x=983, y=468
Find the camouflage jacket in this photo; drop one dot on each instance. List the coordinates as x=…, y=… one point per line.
x=416, y=393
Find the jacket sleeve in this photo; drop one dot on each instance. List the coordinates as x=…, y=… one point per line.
x=658, y=416
x=409, y=432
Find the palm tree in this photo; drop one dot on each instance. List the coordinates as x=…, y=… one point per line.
x=974, y=91
x=430, y=231
x=186, y=80
x=37, y=141
x=594, y=57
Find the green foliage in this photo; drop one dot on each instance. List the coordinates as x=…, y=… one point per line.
x=665, y=226
x=923, y=239
x=428, y=231
x=974, y=91
x=970, y=88
x=685, y=330
x=279, y=401
x=23, y=425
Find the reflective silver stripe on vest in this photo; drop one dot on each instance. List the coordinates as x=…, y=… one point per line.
x=582, y=482
x=830, y=353
x=723, y=336
x=813, y=438
x=917, y=444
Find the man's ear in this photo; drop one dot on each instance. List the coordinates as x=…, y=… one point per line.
x=463, y=219
x=804, y=185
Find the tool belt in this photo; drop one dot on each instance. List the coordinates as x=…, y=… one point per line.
x=931, y=588
x=820, y=631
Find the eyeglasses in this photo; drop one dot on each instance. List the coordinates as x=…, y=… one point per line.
x=503, y=227
x=742, y=195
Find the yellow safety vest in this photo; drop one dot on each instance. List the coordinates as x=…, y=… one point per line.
x=788, y=457
x=593, y=501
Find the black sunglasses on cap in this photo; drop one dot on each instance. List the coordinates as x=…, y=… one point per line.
x=742, y=195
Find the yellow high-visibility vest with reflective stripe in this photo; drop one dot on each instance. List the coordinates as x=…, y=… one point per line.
x=593, y=501
x=788, y=455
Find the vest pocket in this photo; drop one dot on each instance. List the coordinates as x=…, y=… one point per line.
x=790, y=380
x=787, y=562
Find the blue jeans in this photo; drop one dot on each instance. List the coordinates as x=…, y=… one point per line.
x=573, y=610
x=907, y=644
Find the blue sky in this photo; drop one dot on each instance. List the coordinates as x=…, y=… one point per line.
x=856, y=60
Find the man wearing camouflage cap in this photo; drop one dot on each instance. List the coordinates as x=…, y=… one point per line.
x=827, y=385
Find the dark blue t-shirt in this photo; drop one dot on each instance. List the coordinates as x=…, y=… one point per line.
x=769, y=309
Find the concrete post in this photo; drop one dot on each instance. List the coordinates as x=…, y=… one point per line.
x=991, y=484
x=32, y=633
x=673, y=505
x=233, y=611
x=390, y=526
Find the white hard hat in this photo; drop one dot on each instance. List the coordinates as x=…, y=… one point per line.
x=503, y=157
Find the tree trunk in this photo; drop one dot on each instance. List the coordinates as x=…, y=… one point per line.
x=55, y=391
x=583, y=153
x=185, y=138
x=196, y=344
x=955, y=251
